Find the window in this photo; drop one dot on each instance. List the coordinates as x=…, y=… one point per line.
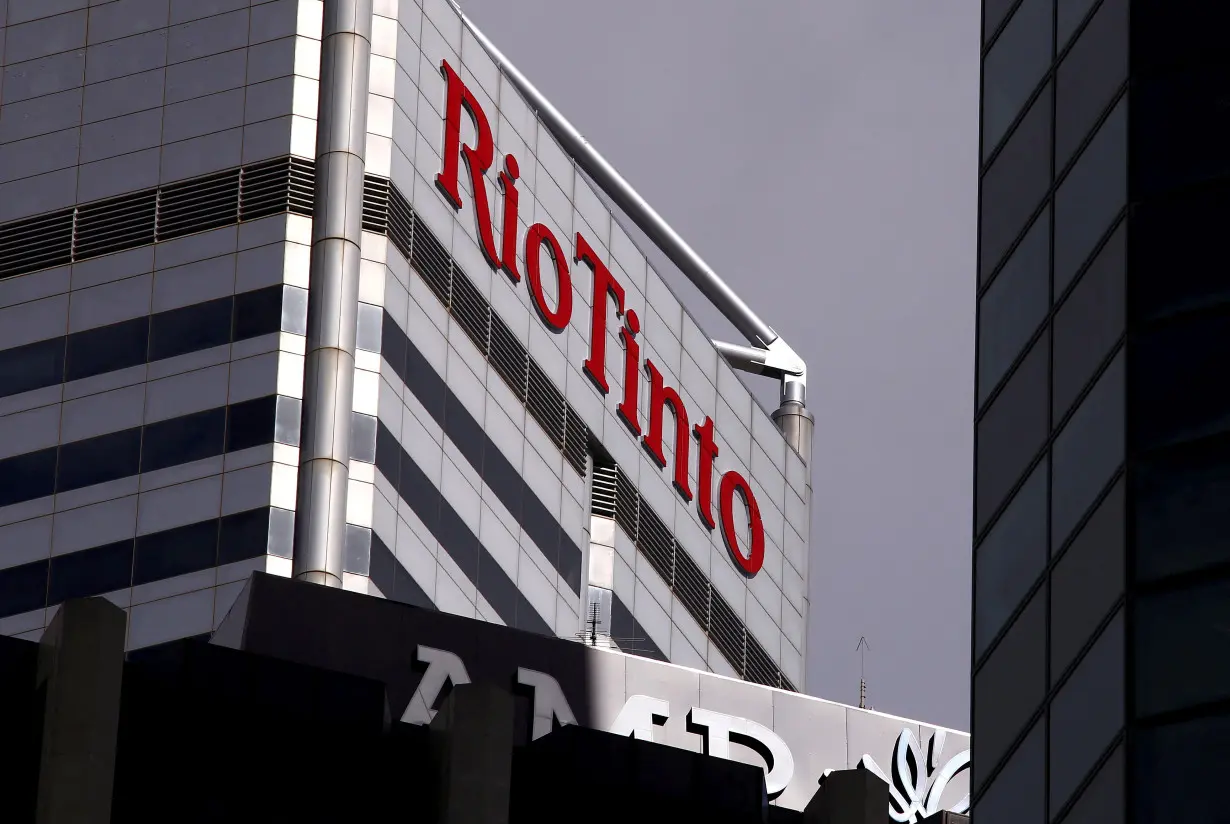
x=26, y=477
x=1091, y=196
x=1015, y=184
x=1012, y=430
x=1181, y=128
x=1179, y=254
x=1068, y=15
x=1012, y=308
x=1089, y=75
x=363, y=438
x=250, y=423
x=1017, y=795
x=1013, y=67
x=1087, y=580
x=258, y=312
x=1089, y=322
x=287, y=420
x=33, y=366
x=993, y=12
x=183, y=440
x=1181, y=515
x=1182, y=648
x=94, y=571
x=1010, y=685
x=243, y=535
x=368, y=334
x=1088, y=451
x=190, y=329
x=358, y=550
x=1179, y=387
x=1179, y=771
x=281, y=532
x=97, y=460
x=294, y=310
x=176, y=551
x=1010, y=558
x=23, y=588
x=107, y=348
x=1104, y=800
x=1087, y=713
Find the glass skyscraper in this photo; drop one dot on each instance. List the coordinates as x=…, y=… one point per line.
x=1101, y=643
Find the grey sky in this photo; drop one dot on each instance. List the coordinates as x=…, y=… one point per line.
x=821, y=155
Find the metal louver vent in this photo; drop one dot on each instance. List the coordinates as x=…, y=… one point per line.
x=760, y=667
x=472, y=312
x=509, y=357
x=692, y=588
x=400, y=222
x=602, y=499
x=576, y=439
x=281, y=185
x=36, y=243
x=376, y=204
x=114, y=225
x=197, y=205
x=432, y=261
x=728, y=633
x=656, y=541
x=627, y=505
x=545, y=404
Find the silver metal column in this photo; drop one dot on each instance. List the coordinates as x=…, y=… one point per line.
x=333, y=293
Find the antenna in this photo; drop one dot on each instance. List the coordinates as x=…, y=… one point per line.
x=592, y=635
x=863, y=648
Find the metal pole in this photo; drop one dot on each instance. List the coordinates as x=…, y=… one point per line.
x=333, y=293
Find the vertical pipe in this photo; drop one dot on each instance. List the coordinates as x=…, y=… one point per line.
x=333, y=293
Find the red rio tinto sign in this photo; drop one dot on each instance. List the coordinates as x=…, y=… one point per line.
x=544, y=256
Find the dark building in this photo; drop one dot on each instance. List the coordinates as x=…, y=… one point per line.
x=1101, y=643
x=191, y=731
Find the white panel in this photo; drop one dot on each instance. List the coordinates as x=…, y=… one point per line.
x=94, y=525
x=178, y=505
x=171, y=618
x=25, y=541
x=247, y=488
x=103, y=413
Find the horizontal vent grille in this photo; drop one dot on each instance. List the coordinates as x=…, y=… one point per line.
x=165, y=212
x=603, y=498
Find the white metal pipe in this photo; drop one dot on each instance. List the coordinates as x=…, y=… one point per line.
x=650, y=222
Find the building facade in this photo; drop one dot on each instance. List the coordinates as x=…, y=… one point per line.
x=1102, y=461
x=515, y=454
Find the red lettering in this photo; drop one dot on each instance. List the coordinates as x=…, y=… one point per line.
x=628, y=408
x=661, y=395
x=508, y=233
x=708, y=450
x=752, y=562
x=558, y=318
x=478, y=158
x=604, y=284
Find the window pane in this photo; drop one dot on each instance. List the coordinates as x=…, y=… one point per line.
x=1179, y=253
x=250, y=423
x=1087, y=580
x=1010, y=558
x=1179, y=386
x=1091, y=196
x=1013, y=68
x=23, y=588
x=294, y=310
x=107, y=348
x=1010, y=685
x=183, y=440
x=1012, y=430
x=363, y=438
x=1015, y=184
x=244, y=535
x=1179, y=771
x=97, y=460
x=358, y=550
x=993, y=12
x=1018, y=793
x=176, y=551
x=190, y=329
x=91, y=572
x=368, y=334
x=1089, y=76
x=1010, y=311
x=1104, y=800
x=1087, y=713
x=1068, y=15
x=26, y=477
x=1090, y=322
x=33, y=366
x=1087, y=451
x=258, y=312
x=1181, y=128
x=1181, y=515
x=1182, y=648
x=286, y=424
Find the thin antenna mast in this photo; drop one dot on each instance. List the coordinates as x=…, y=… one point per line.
x=863, y=648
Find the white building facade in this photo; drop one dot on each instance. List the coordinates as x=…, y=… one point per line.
x=515, y=455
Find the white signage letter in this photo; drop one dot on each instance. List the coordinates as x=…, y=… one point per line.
x=639, y=716
x=441, y=666
x=720, y=730
x=550, y=704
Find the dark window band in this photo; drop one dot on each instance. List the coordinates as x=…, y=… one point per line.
x=134, y=561
x=394, y=581
x=483, y=455
x=143, y=340
x=172, y=442
x=447, y=527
